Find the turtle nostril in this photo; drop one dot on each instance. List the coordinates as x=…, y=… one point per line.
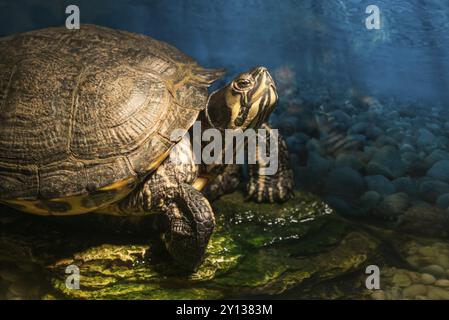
x=258, y=71
x=262, y=69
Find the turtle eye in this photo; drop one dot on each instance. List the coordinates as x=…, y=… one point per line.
x=242, y=84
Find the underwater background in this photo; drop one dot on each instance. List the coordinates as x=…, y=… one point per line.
x=364, y=112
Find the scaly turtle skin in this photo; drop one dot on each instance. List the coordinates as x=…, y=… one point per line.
x=86, y=118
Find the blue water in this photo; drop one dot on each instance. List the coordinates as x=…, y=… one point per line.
x=355, y=102
x=325, y=42
x=364, y=112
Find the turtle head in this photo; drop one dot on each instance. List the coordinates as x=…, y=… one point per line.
x=246, y=102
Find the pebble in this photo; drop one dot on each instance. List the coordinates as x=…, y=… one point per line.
x=379, y=184
x=443, y=260
x=9, y=276
x=318, y=165
x=442, y=283
x=348, y=160
x=387, y=162
x=443, y=201
x=436, y=293
x=405, y=184
x=379, y=295
x=414, y=290
x=407, y=150
x=427, y=278
x=435, y=270
x=394, y=205
x=427, y=251
x=440, y=170
x=18, y=289
x=425, y=138
x=369, y=200
x=345, y=181
x=402, y=280
x=430, y=190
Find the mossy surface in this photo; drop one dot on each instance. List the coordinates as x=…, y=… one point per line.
x=297, y=250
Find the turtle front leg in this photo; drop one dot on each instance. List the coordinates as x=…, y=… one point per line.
x=271, y=188
x=224, y=183
x=190, y=224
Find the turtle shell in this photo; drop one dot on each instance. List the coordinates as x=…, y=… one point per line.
x=89, y=110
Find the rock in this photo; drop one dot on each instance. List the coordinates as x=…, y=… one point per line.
x=345, y=182
x=318, y=165
x=17, y=290
x=442, y=283
x=314, y=145
x=427, y=278
x=415, y=163
x=373, y=132
x=392, y=115
x=338, y=204
x=288, y=125
x=433, y=126
x=407, y=148
x=406, y=185
x=357, y=141
x=384, y=140
x=369, y=200
x=348, y=160
x=443, y=201
x=434, y=270
x=414, y=290
x=256, y=249
x=387, y=162
x=359, y=128
x=436, y=293
x=295, y=143
x=424, y=220
x=379, y=295
x=341, y=117
x=442, y=141
x=426, y=139
x=369, y=151
x=307, y=180
x=380, y=184
x=430, y=190
x=393, y=205
x=440, y=171
x=435, y=156
x=401, y=280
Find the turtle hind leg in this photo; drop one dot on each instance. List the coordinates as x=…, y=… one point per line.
x=190, y=224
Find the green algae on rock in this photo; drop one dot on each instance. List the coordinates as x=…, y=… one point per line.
x=256, y=250
x=301, y=249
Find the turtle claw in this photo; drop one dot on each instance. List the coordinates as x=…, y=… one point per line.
x=180, y=242
x=271, y=189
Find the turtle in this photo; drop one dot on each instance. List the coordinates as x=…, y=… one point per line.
x=86, y=123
